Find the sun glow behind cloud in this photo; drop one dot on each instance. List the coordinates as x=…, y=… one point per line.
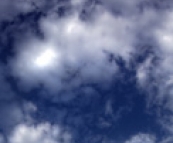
x=71, y=43
x=46, y=58
x=36, y=62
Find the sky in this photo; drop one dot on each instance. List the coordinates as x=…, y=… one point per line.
x=86, y=71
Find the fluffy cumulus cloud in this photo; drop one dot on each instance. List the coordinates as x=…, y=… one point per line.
x=142, y=138
x=71, y=44
x=41, y=133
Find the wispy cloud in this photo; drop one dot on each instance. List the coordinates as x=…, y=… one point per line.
x=41, y=133
x=142, y=138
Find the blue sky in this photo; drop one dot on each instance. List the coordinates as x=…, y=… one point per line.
x=86, y=71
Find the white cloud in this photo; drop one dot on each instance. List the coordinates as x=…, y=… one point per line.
x=142, y=138
x=164, y=36
x=143, y=72
x=164, y=70
x=41, y=133
x=78, y=45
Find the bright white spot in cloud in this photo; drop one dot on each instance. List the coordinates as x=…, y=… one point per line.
x=37, y=62
x=36, y=58
x=46, y=58
x=71, y=44
x=164, y=36
x=71, y=27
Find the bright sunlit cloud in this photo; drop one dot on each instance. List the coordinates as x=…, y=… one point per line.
x=38, y=60
x=69, y=44
x=46, y=58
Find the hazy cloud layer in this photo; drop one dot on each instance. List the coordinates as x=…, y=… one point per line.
x=75, y=44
